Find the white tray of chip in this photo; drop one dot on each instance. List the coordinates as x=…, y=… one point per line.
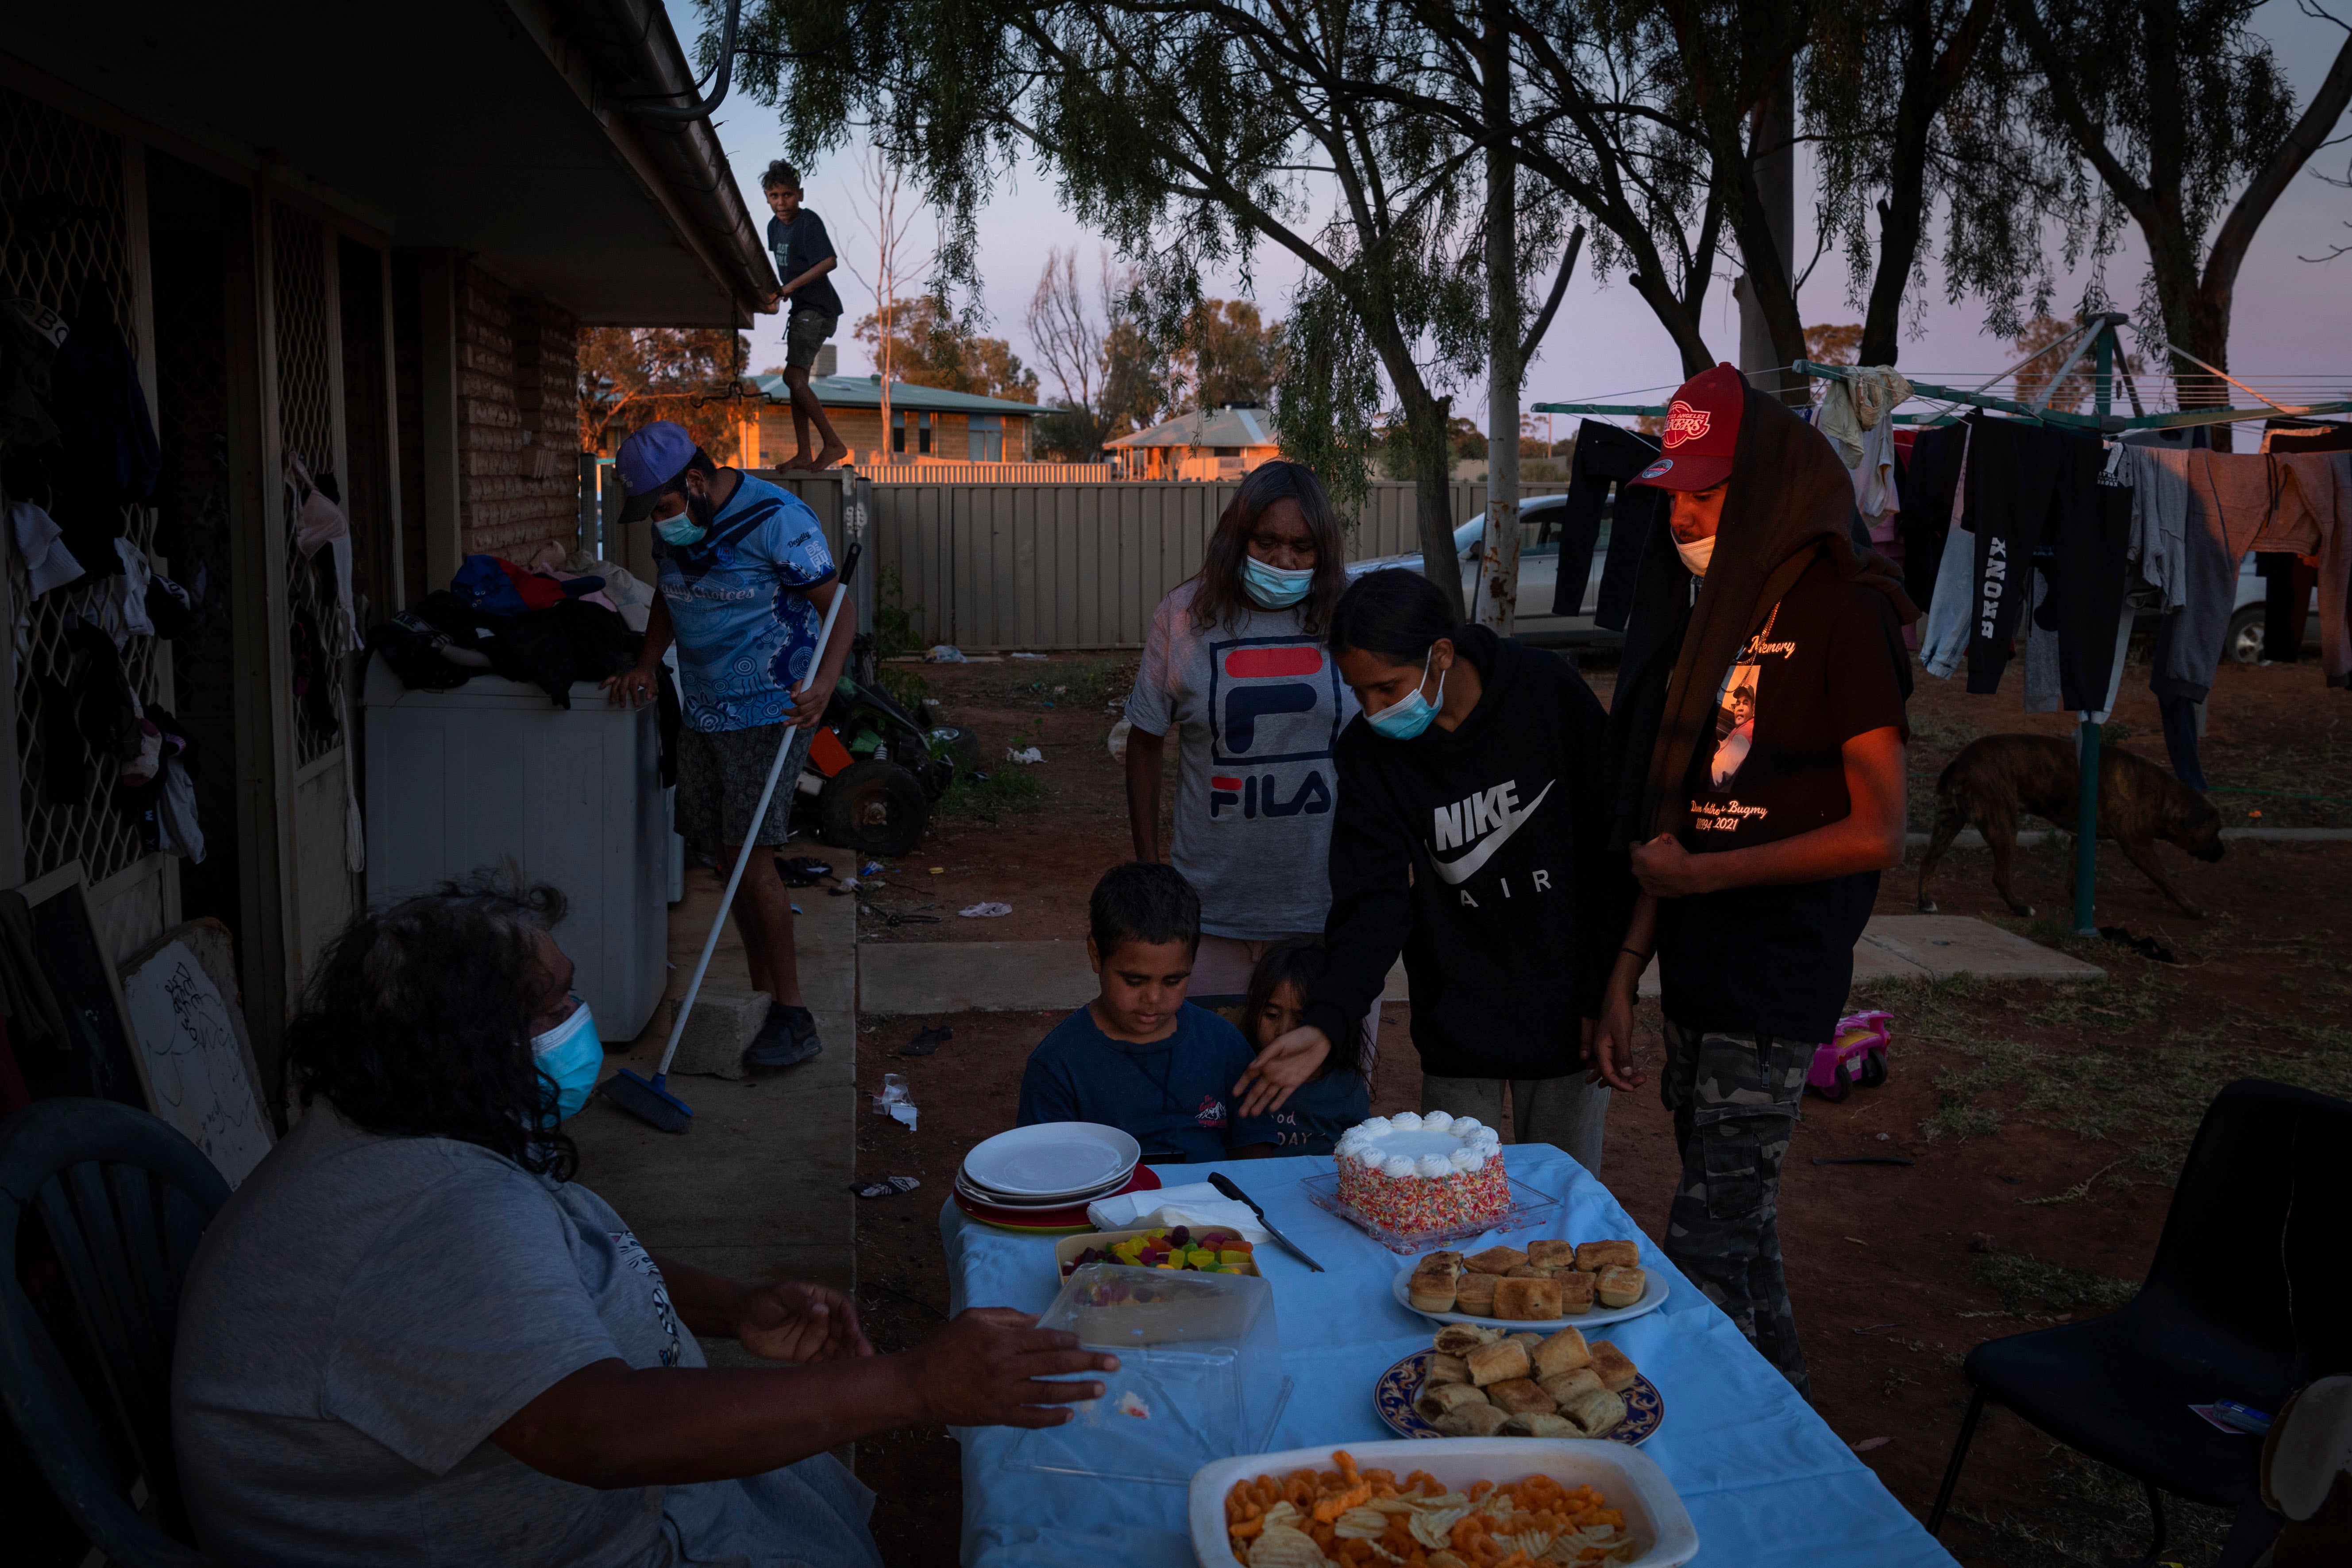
x=1653, y=1296
x=1657, y=1527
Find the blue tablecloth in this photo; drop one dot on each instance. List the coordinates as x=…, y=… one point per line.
x=1764, y=1478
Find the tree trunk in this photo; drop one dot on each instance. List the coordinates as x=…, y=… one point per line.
x=1772, y=331
x=1499, y=574
x=1426, y=417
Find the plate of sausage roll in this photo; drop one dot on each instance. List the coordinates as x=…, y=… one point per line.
x=1550, y=1282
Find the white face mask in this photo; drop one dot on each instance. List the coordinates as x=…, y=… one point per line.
x=1697, y=554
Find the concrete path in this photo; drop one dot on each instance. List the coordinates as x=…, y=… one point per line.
x=908, y=977
x=759, y=1189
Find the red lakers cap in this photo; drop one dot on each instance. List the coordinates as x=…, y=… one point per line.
x=1702, y=433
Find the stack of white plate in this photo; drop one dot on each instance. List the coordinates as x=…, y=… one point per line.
x=1053, y=1165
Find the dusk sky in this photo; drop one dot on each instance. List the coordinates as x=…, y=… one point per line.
x=2290, y=324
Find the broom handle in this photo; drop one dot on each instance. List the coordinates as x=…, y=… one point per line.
x=768, y=792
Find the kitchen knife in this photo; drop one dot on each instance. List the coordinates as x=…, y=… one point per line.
x=1239, y=1197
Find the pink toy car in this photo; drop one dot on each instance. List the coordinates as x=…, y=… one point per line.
x=1858, y=1054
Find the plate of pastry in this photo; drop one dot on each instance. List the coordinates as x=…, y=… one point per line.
x=1546, y=1283
x=1477, y=1381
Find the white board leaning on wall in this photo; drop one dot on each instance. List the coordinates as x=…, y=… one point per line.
x=191, y=1047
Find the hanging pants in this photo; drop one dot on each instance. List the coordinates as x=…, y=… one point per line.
x=2287, y=584
x=1734, y=1100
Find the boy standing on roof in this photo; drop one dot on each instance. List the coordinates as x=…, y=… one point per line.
x=1774, y=797
x=744, y=578
x=804, y=253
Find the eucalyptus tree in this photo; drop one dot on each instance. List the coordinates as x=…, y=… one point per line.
x=2162, y=108
x=1193, y=134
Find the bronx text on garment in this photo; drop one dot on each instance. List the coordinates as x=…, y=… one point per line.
x=1996, y=575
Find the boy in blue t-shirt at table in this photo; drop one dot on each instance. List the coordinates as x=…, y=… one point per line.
x=1138, y=1057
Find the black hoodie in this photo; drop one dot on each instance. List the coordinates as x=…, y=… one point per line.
x=1474, y=852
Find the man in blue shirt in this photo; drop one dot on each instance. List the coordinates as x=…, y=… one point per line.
x=1138, y=1056
x=744, y=578
x=804, y=253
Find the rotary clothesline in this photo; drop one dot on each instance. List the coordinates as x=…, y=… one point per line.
x=2097, y=338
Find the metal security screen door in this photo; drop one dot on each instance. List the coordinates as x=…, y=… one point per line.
x=306, y=339
x=67, y=243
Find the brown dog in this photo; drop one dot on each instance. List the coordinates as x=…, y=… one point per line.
x=2000, y=778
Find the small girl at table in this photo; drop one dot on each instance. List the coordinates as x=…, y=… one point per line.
x=1340, y=1094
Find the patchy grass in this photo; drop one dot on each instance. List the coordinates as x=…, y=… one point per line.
x=2024, y=1283
x=2136, y=1074
x=1008, y=788
x=1091, y=684
x=2097, y=1515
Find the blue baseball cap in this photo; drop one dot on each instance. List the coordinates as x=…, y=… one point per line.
x=650, y=462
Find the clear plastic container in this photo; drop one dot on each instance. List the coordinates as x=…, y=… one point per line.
x=1200, y=1375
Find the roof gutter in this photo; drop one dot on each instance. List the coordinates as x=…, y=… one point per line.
x=681, y=157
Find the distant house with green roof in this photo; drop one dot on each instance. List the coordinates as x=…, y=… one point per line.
x=927, y=425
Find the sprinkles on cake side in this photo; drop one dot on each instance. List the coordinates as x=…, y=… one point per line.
x=1413, y=1174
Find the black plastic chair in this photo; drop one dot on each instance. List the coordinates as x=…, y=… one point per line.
x=121, y=1200
x=2246, y=1299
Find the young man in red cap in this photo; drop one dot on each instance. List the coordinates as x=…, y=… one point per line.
x=1774, y=797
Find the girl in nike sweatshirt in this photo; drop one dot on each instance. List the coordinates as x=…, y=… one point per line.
x=1467, y=838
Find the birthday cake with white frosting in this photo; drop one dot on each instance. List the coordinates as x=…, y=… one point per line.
x=1413, y=1174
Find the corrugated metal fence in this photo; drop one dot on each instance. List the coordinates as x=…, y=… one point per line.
x=1043, y=566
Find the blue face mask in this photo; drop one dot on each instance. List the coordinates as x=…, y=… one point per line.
x=680, y=531
x=1411, y=714
x=1271, y=587
x=571, y=1054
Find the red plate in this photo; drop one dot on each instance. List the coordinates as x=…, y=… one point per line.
x=1072, y=1217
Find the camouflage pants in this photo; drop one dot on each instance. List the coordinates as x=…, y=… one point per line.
x=1734, y=1099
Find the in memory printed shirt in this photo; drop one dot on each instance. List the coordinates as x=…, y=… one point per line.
x=1826, y=665
x=739, y=603
x=1253, y=712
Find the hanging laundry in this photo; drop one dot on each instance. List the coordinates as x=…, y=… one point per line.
x=171, y=608
x=1944, y=642
x=318, y=520
x=2301, y=436
x=2089, y=543
x=178, y=830
x=1930, y=483
x=101, y=412
x=1605, y=456
x=2158, y=549
x=1867, y=398
x=117, y=603
x=2012, y=483
x=44, y=562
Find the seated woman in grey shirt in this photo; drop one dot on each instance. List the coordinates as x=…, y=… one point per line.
x=410, y=1336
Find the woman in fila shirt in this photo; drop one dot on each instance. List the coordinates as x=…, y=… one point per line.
x=1235, y=675
x=1469, y=813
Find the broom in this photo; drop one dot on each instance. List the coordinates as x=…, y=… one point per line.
x=652, y=1102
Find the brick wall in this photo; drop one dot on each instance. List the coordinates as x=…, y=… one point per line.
x=518, y=427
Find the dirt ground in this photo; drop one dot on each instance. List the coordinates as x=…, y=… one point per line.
x=2046, y=1122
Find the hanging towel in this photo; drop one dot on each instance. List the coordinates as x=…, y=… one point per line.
x=1859, y=404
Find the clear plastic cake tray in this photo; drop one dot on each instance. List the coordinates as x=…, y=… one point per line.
x=1528, y=1207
